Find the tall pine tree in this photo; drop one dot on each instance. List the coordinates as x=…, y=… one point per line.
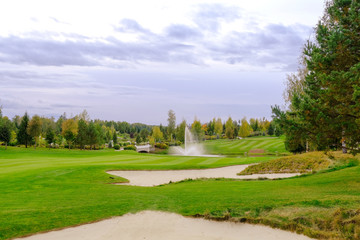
x=23, y=137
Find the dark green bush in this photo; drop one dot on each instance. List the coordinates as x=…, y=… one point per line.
x=117, y=147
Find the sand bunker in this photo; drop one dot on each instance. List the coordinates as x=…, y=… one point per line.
x=154, y=178
x=152, y=225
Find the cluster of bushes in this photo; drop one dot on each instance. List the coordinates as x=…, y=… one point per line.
x=212, y=137
x=161, y=145
x=130, y=147
x=171, y=144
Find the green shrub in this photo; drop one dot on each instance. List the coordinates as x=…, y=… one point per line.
x=130, y=147
x=161, y=145
x=117, y=147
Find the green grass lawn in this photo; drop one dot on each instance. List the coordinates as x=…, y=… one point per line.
x=271, y=145
x=49, y=189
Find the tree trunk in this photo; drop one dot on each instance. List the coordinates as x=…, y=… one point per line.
x=5, y=145
x=307, y=145
x=343, y=143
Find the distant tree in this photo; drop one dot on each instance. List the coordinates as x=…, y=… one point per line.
x=82, y=134
x=164, y=131
x=218, y=128
x=229, y=128
x=108, y=135
x=92, y=135
x=115, y=138
x=50, y=135
x=171, y=124
x=211, y=127
x=180, y=131
x=144, y=133
x=5, y=130
x=254, y=124
x=23, y=137
x=236, y=128
x=245, y=129
x=101, y=138
x=17, y=121
x=197, y=130
x=84, y=116
x=157, y=134
x=59, y=123
x=69, y=130
x=271, y=129
x=138, y=139
x=34, y=128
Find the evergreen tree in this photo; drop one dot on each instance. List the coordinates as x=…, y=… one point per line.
x=144, y=133
x=138, y=139
x=271, y=129
x=50, y=135
x=82, y=134
x=330, y=104
x=5, y=130
x=92, y=135
x=115, y=138
x=23, y=137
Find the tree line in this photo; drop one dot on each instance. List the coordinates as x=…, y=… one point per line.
x=82, y=132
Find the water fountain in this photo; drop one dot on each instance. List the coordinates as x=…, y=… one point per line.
x=191, y=146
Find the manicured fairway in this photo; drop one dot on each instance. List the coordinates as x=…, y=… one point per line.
x=47, y=189
x=271, y=145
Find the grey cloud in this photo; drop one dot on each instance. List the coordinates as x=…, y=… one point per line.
x=43, y=52
x=274, y=44
x=182, y=32
x=49, y=52
x=210, y=16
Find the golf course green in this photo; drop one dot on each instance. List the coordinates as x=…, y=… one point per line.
x=46, y=189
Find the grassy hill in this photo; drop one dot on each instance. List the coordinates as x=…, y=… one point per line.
x=49, y=189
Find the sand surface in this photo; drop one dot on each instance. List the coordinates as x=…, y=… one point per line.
x=154, y=178
x=151, y=225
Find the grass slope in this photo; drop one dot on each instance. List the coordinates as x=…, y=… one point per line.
x=271, y=145
x=50, y=189
x=303, y=163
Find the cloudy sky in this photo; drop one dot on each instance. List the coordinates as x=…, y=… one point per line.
x=134, y=60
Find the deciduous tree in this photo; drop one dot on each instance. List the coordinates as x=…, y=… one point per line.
x=171, y=124
x=229, y=128
x=69, y=130
x=245, y=129
x=34, y=128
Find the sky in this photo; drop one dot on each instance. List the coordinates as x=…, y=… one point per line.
x=135, y=60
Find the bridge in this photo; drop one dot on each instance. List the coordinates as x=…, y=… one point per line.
x=144, y=148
